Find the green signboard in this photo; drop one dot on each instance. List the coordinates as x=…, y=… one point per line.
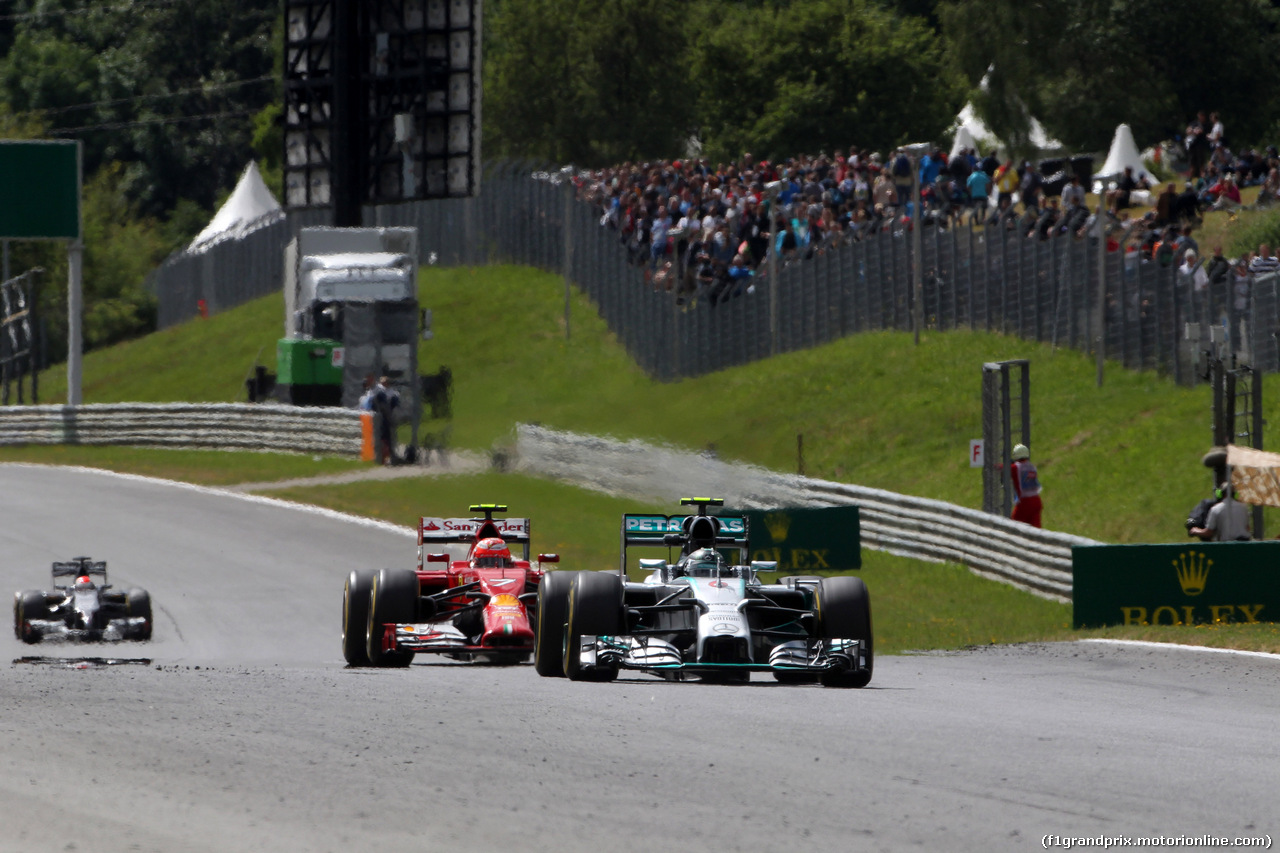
x=40, y=189
x=807, y=539
x=1195, y=584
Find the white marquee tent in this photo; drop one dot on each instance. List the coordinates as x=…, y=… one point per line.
x=971, y=132
x=1124, y=152
x=249, y=207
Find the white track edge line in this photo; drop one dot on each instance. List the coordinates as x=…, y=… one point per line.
x=333, y=514
x=1183, y=646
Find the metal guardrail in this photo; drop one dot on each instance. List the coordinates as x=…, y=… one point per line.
x=1038, y=561
x=236, y=426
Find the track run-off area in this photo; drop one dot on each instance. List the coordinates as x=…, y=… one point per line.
x=239, y=727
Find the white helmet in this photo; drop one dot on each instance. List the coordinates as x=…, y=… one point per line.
x=1020, y=452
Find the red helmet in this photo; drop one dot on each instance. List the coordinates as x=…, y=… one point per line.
x=84, y=582
x=491, y=554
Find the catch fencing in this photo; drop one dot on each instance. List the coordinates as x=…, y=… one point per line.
x=222, y=426
x=1038, y=561
x=989, y=279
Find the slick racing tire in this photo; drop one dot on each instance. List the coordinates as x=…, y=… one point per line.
x=393, y=598
x=28, y=605
x=552, y=613
x=843, y=608
x=799, y=677
x=595, y=609
x=355, y=617
x=137, y=603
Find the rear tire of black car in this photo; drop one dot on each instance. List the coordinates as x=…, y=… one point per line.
x=843, y=607
x=137, y=604
x=393, y=599
x=355, y=617
x=552, y=613
x=595, y=609
x=28, y=605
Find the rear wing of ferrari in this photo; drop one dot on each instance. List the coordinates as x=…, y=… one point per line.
x=78, y=567
x=444, y=531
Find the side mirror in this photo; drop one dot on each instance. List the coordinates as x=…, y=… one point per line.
x=437, y=558
x=548, y=558
x=764, y=565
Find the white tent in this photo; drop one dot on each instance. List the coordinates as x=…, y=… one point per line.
x=1124, y=152
x=965, y=139
x=967, y=122
x=250, y=207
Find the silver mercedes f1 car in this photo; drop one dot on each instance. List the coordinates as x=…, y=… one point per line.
x=83, y=609
x=702, y=615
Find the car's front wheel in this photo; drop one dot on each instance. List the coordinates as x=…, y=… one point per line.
x=393, y=599
x=595, y=610
x=552, y=613
x=28, y=605
x=137, y=605
x=355, y=617
x=843, y=607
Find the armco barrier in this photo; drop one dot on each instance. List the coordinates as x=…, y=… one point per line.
x=1038, y=561
x=239, y=426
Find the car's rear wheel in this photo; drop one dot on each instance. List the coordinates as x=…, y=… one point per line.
x=595, y=609
x=26, y=606
x=355, y=617
x=393, y=599
x=552, y=613
x=843, y=607
x=137, y=604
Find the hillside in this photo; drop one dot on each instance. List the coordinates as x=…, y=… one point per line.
x=1119, y=463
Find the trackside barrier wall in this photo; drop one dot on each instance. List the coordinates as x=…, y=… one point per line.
x=1038, y=561
x=200, y=425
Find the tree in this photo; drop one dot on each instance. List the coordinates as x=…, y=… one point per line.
x=166, y=89
x=1085, y=66
x=795, y=78
x=586, y=81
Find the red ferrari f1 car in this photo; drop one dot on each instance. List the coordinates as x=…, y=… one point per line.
x=481, y=608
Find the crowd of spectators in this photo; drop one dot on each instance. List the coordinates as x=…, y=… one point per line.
x=705, y=230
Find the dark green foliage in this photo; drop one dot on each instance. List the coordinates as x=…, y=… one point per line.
x=587, y=81
x=1084, y=66
x=806, y=77
x=166, y=89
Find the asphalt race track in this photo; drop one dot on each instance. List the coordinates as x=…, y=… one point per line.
x=245, y=731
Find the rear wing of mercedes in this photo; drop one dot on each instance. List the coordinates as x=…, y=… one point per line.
x=671, y=531
x=76, y=568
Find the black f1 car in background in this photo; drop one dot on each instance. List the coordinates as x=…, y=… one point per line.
x=702, y=615
x=474, y=609
x=82, y=609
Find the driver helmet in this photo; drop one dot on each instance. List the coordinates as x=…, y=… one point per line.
x=491, y=553
x=83, y=582
x=704, y=563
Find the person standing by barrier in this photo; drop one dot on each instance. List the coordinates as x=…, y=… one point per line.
x=1026, y=487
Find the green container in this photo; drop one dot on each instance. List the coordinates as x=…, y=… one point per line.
x=308, y=362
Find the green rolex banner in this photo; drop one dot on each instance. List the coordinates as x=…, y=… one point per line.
x=1204, y=583
x=807, y=539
